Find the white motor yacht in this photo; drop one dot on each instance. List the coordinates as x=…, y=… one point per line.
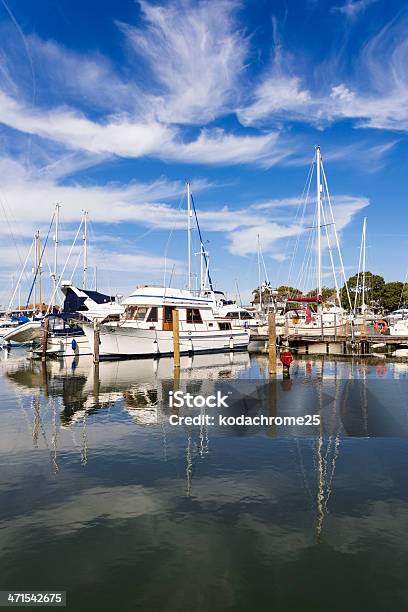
x=146, y=327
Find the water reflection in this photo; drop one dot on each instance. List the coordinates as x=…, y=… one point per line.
x=91, y=464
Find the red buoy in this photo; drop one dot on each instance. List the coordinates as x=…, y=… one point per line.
x=286, y=358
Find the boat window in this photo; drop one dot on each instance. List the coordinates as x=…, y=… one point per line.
x=224, y=326
x=245, y=315
x=232, y=315
x=152, y=317
x=136, y=313
x=193, y=315
x=140, y=313
x=129, y=312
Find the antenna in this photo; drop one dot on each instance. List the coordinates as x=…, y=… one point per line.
x=85, y=239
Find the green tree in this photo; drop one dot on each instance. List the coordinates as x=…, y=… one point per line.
x=327, y=293
x=392, y=295
x=287, y=291
x=374, y=286
x=266, y=295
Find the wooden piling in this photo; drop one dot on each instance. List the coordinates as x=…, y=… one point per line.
x=46, y=326
x=97, y=332
x=176, y=337
x=272, y=342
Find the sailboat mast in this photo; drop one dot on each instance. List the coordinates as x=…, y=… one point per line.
x=319, y=221
x=363, y=306
x=202, y=268
x=39, y=270
x=55, y=274
x=85, y=239
x=259, y=274
x=189, y=234
x=35, y=272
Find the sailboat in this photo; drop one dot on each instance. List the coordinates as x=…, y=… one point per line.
x=329, y=318
x=146, y=327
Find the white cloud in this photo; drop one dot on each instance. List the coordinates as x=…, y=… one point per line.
x=352, y=8
x=123, y=137
x=375, y=94
x=273, y=95
x=194, y=55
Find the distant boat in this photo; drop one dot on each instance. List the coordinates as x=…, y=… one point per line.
x=66, y=338
x=330, y=319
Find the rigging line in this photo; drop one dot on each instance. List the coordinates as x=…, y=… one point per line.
x=169, y=239
x=201, y=240
x=48, y=265
x=331, y=257
x=11, y=230
x=336, y=237
x=305, y=200
x=358, y=274
x=302, y=204
x=307, y=255
x=19, y=280
x=76, y=265
x=65, y=265
x=39, y=262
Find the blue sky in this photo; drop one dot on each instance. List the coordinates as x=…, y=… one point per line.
x=110, y=106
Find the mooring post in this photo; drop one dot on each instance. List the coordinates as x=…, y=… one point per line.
x=97, y=331
x=46, y=326
x=272, y=342
x=96, y=383
x=176, y=337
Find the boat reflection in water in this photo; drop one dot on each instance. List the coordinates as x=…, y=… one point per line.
x=94, y=465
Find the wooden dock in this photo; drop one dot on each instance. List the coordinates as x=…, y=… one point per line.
x=331, y=344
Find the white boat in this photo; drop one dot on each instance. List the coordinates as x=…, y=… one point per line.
x=146, y=328
x=7, y=325
x=65, y=337
x=231, y=311
x=330, y=319
x=77, y=303
x=22, y=334
x=400, y=328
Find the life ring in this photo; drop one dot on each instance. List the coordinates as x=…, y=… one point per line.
x=381, y=326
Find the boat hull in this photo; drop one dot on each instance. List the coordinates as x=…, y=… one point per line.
x=23, y=334
x=128, y=342
x=65, y=346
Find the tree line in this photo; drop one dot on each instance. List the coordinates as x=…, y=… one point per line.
x=379, y=295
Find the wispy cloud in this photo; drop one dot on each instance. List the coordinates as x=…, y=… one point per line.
x=375, y=95
x=352, y=8
x=194, y=55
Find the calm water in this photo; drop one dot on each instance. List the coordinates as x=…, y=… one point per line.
x=100, y=496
